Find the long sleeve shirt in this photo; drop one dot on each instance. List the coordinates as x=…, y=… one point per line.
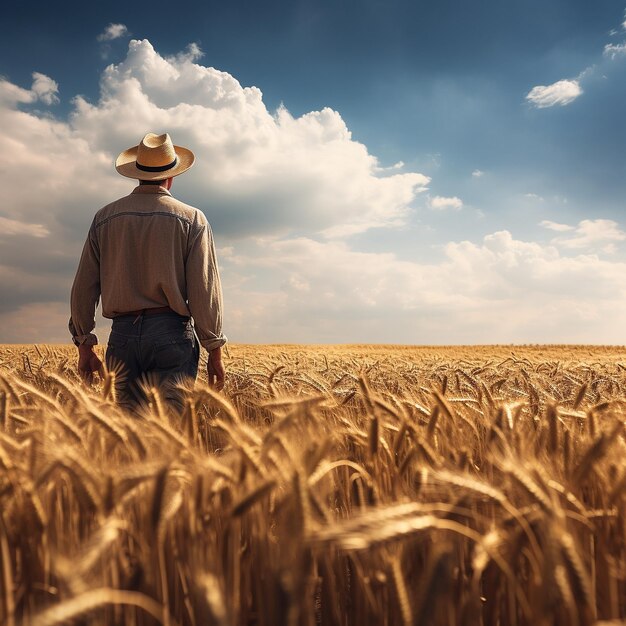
x=143, y=251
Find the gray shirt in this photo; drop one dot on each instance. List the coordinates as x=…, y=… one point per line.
x=144, y=251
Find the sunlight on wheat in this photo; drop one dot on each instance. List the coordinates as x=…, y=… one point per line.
x=343, y=485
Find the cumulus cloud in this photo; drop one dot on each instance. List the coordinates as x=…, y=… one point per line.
x=113, y=31
x=478, y=173
x=498, y=290
x=43, y=89
x=11, y=95
x=560, y=93
x=600, y=234
x=264, y=178
x=256, y=171
x=441, y=203
x=191, y=53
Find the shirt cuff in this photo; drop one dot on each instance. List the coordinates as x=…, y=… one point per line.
x=212, y=343
x=87, y=340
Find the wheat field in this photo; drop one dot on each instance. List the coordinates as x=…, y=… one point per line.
x=345, y=485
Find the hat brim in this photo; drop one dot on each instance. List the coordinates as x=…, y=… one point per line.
x=126, y=165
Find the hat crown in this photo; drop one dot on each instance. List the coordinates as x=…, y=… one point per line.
x=156, y=150
x=154, y=158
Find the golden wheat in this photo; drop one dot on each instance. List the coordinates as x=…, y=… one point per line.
x=347, y=485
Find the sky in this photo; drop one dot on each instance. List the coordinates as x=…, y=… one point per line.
x=374, y=172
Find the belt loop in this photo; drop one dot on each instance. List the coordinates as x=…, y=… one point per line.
x=139, y=316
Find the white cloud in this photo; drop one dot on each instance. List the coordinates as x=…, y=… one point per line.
x=498, y=290
x=533, y=196
x=396, y=166
x=564, y=92
x=113, y=31
x=560, y=93
x=600, y=235
x=45, y=89
x=191, y=54
x=14, y=227
x=478, y=173
x=256, y=171
x=53, y=176
x=556, y=226
x=11, y=94
x=264, y=178
x=441, y=203
x=614, y=50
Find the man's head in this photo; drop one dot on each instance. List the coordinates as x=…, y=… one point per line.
x=155, y=156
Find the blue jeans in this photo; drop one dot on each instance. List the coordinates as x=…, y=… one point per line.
x=159, y=350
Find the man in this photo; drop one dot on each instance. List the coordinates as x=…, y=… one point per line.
x=152, y=260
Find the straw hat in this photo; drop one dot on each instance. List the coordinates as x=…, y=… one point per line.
x=155, y=158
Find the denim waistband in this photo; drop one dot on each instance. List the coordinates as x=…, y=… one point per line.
x=132, y=316
x=151, y=325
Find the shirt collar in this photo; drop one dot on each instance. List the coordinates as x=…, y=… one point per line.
x=151, y=189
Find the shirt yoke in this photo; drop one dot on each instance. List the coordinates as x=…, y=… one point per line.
x=150, y=205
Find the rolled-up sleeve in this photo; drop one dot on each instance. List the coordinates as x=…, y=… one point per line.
x=86, y=293
x=204, y=289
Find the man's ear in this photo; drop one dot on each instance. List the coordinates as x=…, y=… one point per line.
x=168, y=183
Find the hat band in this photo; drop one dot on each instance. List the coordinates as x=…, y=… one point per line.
x=158, y=168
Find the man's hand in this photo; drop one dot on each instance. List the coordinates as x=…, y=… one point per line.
x=215, y=369
x=88, y=363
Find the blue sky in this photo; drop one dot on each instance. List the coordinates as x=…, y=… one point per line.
x=376, y=171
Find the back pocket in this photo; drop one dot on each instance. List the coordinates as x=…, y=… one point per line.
x=173, y=355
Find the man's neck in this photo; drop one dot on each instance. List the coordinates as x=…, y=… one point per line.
x=166, y=184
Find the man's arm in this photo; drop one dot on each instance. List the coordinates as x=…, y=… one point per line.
x=204, y=295
x=83, y=301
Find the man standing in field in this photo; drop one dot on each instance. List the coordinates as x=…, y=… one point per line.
x=152, y=260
